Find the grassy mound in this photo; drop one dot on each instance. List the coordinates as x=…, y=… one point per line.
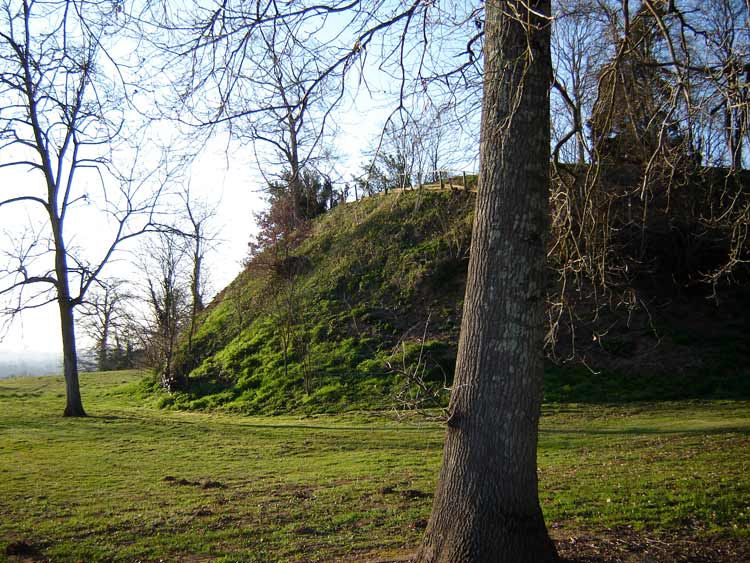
x=365, y=313
x=375, y=298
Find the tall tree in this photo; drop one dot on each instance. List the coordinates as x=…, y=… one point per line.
x=723, y=28
x=200, y=235
x=486, y=507
x=271, y=90
x=633, y=108
x=64, y=121
x=578, y=46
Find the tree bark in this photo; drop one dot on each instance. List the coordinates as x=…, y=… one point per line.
x=486, y=507
x=73, y=403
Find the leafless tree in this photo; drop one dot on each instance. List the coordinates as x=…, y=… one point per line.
x=488, y=480
x=268, y=88
x=579, y=45
x=164, y=261
x=68, y=145
x=443, y=141
x=721, y=31
x=394, y=161
x=414, y=147
x=106, y=317
x=200, y=234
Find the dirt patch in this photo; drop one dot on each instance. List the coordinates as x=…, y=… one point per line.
x=208, y=484
x=622, y=546
x=412, y=494
x=408, y=494
x=203, y=483
x=20, y=549
x=628, y=546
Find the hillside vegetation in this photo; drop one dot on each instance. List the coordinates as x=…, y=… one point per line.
x=365, y=312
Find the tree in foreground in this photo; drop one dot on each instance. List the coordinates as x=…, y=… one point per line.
x=68, y=155
x=486, y=506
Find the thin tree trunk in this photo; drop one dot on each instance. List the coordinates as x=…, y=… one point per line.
x=486, y=507
x=73, y=403
x=104, y=340
x=195, y=287
x=580, y=141
x=101, y=362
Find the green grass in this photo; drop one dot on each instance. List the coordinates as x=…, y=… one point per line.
x=135, y=483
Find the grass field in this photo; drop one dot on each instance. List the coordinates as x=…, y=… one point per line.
x=134, y=483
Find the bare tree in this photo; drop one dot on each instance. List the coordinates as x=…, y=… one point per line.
x=486, y=507
x=723, y=28
x=394, y=161
x=578, y=47
x=164, y=261
x=440, y=141
x=270, y=89
x=671, y=100
x=200, y=234
x=65, y=123
x=105, y=318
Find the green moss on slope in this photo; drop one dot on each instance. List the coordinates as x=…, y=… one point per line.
x=379, y=297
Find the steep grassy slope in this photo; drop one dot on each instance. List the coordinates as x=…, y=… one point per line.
x=365, y=313
x=375, y=286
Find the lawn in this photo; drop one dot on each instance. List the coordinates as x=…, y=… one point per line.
x=134, y=483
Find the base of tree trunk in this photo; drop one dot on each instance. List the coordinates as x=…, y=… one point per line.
x=71, y=412
x=457, y=543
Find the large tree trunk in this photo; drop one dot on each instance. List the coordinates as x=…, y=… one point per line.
x=486, y=507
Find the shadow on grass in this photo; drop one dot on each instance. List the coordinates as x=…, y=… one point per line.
x=578, y=385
